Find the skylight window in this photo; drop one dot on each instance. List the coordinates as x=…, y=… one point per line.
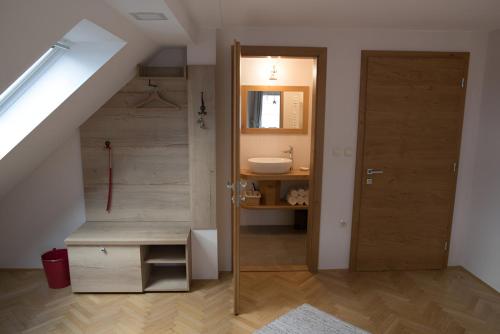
x=57, y=74
x=24, y=82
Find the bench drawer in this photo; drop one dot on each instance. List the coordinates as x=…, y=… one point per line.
x=105, y=269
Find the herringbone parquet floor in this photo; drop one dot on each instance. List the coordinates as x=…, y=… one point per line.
x=450, y=301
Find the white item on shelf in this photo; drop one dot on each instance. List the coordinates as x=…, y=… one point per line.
x=301, y=200
x=298, y=197
x=252, y=197
x=292, y=200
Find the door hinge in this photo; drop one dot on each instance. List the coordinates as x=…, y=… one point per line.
x=446, y=245
x=454, y=167
x=462, y=83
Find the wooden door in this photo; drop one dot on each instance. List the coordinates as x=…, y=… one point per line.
x=235, y=171
x=409, y=132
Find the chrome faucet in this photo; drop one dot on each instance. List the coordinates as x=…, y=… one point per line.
x=290, y=154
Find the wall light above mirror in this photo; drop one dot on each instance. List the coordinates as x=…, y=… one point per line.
x=275, y=109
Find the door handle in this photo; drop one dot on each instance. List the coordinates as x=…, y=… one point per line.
x=237, y=190
x=371, y=171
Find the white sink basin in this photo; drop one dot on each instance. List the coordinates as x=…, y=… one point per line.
x=270, y=165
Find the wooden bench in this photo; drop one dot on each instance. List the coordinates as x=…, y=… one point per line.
x=130, y=257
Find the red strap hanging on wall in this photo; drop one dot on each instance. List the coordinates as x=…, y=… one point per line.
x=110, y=183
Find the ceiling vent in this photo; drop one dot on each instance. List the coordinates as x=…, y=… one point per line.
x=149, y=16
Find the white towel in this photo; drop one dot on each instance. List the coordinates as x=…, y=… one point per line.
x=292, y=200
x=293, y=192
x=300, y=200
x=301, y=192
x=306, y=200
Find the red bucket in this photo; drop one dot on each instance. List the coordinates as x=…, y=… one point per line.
x=55, y=264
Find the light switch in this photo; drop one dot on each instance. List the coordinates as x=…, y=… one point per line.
x=336, y=151
x=348, y=152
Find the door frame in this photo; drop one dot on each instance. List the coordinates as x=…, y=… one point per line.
x=235, y=172
x=359, y=171
x=317, y=139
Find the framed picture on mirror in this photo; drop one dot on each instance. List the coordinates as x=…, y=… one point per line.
x=275, y=109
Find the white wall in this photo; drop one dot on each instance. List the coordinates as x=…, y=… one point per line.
x=481, y=244
x=43, y=209
x=202, y=52
x=204, y=254
x=344, y=57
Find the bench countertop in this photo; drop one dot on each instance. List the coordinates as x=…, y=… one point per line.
x=129, y=233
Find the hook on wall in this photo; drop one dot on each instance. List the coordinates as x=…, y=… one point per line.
x=107, y=145
x=202, y=113
x=151, y=84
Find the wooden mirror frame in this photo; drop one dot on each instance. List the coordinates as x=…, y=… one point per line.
x=282, y=89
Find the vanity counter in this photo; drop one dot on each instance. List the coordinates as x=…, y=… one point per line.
x=293, y=175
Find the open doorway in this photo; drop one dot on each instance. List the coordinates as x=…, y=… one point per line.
x=278, y=102
x=275, y=123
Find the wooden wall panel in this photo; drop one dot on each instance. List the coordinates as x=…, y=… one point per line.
x=201, y=78
x=173, y=89
x=150, y=156
x=147, y=165
x=131, y=127
x=138, y=203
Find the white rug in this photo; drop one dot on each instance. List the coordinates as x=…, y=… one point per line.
x=306, y=319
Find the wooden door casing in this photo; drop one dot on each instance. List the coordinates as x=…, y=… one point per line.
x=235, y=171
x=410, y=122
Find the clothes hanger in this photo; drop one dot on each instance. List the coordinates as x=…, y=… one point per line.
x=156, y=97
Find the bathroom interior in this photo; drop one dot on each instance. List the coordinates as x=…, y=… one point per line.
x=275, y=156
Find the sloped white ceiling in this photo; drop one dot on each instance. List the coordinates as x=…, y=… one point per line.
x=27, y=28
x=377, y=14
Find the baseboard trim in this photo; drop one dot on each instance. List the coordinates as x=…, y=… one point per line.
x=288, y=267
x=474, y=277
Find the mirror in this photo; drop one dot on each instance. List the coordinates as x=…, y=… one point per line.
x=274, y=109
